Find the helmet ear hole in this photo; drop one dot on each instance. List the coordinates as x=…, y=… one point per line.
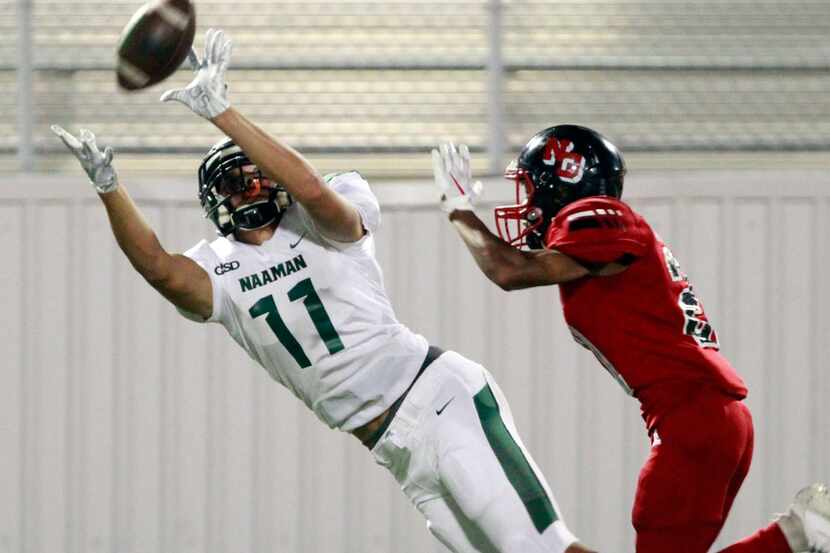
x=283, y=199
x=223, y=215
x=534, y=215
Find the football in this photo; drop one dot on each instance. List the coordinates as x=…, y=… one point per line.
x=155, y=42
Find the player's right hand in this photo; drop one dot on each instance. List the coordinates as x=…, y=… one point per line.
x=207, y=93
x=454, y=177
x=97, y=164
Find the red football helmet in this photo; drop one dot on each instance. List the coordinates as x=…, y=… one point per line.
x=559, y=165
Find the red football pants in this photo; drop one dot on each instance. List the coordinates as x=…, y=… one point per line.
x=700, y=456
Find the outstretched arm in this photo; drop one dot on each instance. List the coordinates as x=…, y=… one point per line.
x=334, y=216
x=176, y=277
x=508, y=267
x=207, y=96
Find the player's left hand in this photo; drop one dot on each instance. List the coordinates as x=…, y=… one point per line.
x=207, y=93
x=454, y=177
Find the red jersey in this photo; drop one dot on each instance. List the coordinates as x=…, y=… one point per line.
x=645, y=325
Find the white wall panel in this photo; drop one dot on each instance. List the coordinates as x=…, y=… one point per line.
x=793, y=332
x=51, y=373
x=13, y=352
x=280, y=468
x=744, y=342
x=124, y=427
x=186, y=513
x=819, y=421
x=141, y=361
x=96, y=355
x=216, y=481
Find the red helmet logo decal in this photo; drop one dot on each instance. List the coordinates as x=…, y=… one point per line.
x=569, y=165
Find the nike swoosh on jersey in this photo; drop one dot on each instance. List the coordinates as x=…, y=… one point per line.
x=297, y=243
x=441, y=410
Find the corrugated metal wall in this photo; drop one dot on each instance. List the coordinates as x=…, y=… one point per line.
x=125, y=428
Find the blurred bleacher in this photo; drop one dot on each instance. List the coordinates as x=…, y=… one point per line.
x=374, y=84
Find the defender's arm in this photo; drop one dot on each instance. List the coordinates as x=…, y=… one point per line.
x=508, y=267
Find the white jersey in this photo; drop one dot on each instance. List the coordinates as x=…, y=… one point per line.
x=314, y=313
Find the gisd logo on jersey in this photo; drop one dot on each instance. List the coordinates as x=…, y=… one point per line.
x=226, y=267
x=570, y=165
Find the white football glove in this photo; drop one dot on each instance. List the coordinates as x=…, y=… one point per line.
x=97, y=165
x=454, y=178
x=207, y=93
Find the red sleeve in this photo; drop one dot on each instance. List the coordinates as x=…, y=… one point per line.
x=599, y=230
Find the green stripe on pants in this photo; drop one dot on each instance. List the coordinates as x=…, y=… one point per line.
x=512, y=460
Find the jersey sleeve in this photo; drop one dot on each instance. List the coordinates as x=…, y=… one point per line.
x=354, y=188
x=599, y=230
x=207, y=259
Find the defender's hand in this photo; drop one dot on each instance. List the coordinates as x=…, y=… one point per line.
x=97, y=165
x=454, y=178
x=207, y=93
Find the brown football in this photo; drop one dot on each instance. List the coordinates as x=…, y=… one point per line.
x=155, y=42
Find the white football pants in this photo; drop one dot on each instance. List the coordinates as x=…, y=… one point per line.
x=454, y=449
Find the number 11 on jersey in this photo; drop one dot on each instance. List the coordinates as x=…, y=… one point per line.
x=305, y=290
